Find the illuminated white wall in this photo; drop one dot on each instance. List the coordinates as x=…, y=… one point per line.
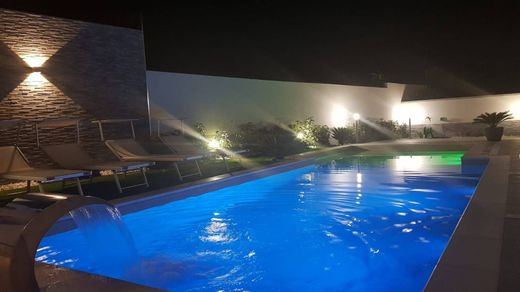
x=220, y=102
x=457, y=109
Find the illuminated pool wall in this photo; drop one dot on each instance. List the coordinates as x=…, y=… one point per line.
x=55, y=68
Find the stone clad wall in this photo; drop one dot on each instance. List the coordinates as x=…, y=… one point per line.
x=88, y=71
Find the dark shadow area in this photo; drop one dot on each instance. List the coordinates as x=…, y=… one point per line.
x=14, y=70
x=101, y=64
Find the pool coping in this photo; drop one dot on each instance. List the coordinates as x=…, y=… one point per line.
x=170, y=194
x=471, y=259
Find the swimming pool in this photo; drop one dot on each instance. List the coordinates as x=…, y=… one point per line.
x=343, y=223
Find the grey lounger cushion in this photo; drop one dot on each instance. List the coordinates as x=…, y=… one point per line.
x=131, y=150
x=74, y=156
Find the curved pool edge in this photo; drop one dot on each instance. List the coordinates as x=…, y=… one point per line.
x=471, y=260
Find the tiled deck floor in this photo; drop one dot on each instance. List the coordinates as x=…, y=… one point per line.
x=510, y=258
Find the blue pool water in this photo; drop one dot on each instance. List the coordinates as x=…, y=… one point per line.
x=359, y=224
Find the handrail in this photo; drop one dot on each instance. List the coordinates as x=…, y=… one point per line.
x=109, y=121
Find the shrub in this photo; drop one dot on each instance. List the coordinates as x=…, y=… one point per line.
x=267, y=139
x=201, y=129
x=344, y=135
x=311, y=134
x=377, y=130
x=305, y=131
x=322, y=135
x=402, y=131
x=222, y=137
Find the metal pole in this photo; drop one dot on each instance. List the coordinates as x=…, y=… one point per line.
x=77, y=131
x=133, y=130
x=101, y=131
x=357, y=132
x=410, y=128
x=37, y=136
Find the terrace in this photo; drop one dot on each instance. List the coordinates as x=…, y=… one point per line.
x=95, y=155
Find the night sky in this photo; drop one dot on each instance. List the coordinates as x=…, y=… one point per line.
x=475, y=43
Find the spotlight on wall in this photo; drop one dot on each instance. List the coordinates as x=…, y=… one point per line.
x=214, y=144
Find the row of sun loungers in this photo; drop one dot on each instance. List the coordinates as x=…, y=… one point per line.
x=77, y=162
x=14, y=166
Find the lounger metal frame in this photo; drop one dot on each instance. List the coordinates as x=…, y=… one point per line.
x=115, y=173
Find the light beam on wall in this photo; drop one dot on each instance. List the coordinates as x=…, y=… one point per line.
x=338, y=116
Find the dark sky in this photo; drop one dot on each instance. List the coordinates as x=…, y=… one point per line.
x=475, y=43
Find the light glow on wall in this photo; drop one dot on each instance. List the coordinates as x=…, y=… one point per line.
x=405, y=111
x=35, y=79
x=34, y=61
x=338, y=116
x=514, y=108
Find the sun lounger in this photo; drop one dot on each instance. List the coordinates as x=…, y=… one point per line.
x=131, y=151
x=74, y=156
x=14, y=166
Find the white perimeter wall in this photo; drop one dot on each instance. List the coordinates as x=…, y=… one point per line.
x=221, y=102
x=462, y=109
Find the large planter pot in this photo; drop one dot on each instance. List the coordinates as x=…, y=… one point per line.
x=494, y=134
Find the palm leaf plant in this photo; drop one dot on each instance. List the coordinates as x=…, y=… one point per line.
x=343, y=135
x=493, y=119
x=493, y=132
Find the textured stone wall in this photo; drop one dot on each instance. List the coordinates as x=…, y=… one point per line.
x=82, y=70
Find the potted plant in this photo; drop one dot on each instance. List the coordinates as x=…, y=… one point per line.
x=493, y=132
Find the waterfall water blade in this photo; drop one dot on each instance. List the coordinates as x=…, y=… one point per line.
x=110, y=243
